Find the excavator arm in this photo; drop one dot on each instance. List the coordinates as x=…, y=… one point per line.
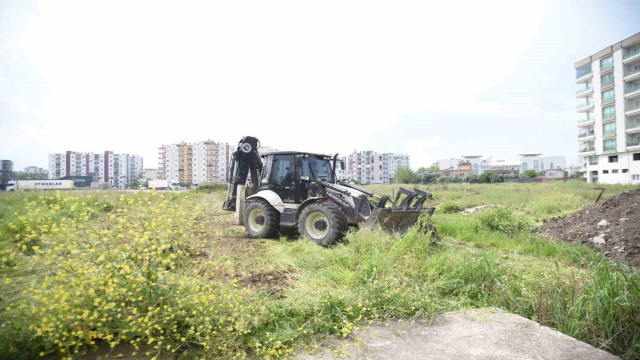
x=245, y=161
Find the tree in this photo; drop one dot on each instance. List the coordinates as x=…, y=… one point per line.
x=530, y=174
x=485, y=178
x=21, y=175
x=473, y=179
x=404, y=175
x=134, y=184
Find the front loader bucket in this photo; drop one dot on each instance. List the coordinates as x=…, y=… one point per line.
x=403, y=214
x=393, y=221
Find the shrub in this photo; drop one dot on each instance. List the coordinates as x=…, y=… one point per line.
x=503, y=220
x=211, y=187
x=449, y=208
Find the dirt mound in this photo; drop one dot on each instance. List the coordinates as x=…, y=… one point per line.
x=612, y=224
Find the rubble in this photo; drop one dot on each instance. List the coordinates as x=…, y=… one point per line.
x=612, y=225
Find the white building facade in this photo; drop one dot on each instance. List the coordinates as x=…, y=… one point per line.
x=195, y=163
x=537, y=162
x=370, y=167
x=35, y=170
x=476, y=162
x=609, y=113
x=117, y=170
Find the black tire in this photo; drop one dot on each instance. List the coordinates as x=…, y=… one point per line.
x=261, y=220
x=310, y=223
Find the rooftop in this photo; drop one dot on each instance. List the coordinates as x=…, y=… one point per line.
x=630, y=41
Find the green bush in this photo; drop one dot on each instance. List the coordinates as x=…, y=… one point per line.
x=211, y=187
x=503, y=220
x=449, y=208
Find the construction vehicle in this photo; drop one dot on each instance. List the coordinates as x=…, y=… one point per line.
x=51, y=184
x=299, y=190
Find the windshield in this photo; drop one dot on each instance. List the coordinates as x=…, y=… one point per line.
x=317, y=169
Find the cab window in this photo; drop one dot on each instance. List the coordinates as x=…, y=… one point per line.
x=283, y=171
x=317, y=169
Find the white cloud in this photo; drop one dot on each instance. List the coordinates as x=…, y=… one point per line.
x=129, y=76
x=421, y=151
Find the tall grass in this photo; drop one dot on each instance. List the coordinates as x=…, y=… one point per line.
x=321, y=291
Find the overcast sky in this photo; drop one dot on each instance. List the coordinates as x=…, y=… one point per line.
x=432, y=79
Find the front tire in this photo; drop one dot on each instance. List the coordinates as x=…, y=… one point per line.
x=323, y=222
x=261, y=220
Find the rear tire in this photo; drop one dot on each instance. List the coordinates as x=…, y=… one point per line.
x=323, y=222
x=261, y=220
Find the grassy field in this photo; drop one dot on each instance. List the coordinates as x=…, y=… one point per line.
x=170, y=274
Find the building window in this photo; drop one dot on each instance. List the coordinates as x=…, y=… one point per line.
x=583, y=70
x=614, y=171
x=636, y=157
x=606, y=80
x=608, y=96
x=609, y=145
x=536, y=166
x=605, y=171
x=606, y=63
x=609, y=129
x=635, y=177
x=613, y=159
x=608, y=112
x=624, y=171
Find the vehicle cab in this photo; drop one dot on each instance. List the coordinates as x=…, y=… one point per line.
x=291, y=174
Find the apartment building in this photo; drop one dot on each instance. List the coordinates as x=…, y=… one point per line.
x=609, y=113
x=35, y=170
x=370, y=167
x=476, y=162
x=501, y=167
x=116, y=170
x=537, y=162
x=195, y=163
x=448, y=164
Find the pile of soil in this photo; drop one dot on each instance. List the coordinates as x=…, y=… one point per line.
x=612, y=225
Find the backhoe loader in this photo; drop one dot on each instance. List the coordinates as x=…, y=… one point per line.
x=299, y=190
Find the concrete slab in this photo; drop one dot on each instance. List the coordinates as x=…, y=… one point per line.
x=472, y=334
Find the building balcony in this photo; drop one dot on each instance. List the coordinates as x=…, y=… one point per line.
x=587, y=120
x=632, y=75
x=585, y=133
x=631, y=57
x=635, y=110
x=585, y=150
x=584, y=107
x=632, y=91
x=633, y=125
x=584, y=90
x=584, y=78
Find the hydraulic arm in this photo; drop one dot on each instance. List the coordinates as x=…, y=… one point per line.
x=245, y=160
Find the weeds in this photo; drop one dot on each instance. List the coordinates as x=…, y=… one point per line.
x=449, y=208
x=504, y=221
x=80, y=270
